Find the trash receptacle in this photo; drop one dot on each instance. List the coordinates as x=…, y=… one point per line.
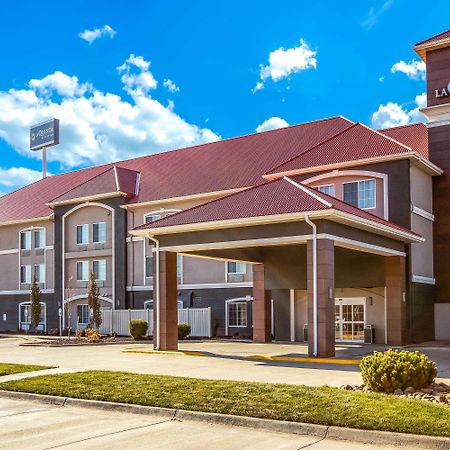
x=305, y=332
x=369, y=334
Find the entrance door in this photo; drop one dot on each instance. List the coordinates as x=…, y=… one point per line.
x=350, y=319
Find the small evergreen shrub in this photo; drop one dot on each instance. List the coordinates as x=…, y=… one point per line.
x=397, y=369
x=138, y=328
x=184, y=329
x=92, y=335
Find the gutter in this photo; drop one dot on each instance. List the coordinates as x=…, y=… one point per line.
x=315, y=320
x=157, y=296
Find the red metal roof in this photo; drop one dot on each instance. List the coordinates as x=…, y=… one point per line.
x=267, y=199
x=217, y=166
x=354, y=143
x=435, y=38
x=413, y=135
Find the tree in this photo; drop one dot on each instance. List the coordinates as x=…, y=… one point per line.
x=94, y=301
x=35, y=300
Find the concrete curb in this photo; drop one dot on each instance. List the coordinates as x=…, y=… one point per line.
x=330, y=432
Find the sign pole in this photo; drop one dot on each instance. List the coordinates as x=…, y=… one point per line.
x=44, y=162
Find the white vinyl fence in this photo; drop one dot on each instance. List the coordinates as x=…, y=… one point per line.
x=117, y=320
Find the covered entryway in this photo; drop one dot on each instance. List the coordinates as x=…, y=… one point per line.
x=296, y=241
x=350, y=319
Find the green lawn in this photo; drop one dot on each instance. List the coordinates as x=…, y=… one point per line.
x=323, y=405
x=9, y=369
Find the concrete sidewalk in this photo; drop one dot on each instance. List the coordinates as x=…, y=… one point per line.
x=34, y=425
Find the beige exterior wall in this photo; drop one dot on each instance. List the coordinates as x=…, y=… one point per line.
x=11, y=257
x=422, y=197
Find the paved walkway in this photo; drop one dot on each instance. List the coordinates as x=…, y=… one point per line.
x=30, y=425
x=226, y=360
x=36, y=373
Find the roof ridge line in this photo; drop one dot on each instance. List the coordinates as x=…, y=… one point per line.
x=307, y=191
x=401, y=126
x=388, y=137
x=270, y=171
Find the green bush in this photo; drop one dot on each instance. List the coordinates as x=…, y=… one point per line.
x=138, y=328
x=184, y=329
x=397, y=369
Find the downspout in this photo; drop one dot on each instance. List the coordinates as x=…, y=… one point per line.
x=156, y=300
x=314, y=243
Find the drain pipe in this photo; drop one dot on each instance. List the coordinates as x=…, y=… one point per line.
x=156, y=300
x=314, y=243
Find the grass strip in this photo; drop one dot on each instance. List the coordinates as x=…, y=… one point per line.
x=10, y=369
x=319, y=405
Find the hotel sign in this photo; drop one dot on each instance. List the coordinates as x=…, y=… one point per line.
x=443, y=92
x=45, y=134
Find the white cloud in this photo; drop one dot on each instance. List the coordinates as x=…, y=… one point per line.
x=271, y=124
x=136, y=76
x=415, y=70
x=284, y=62
x=97, y=126
x=392, y=114
x=171, y=86
x=375, y=14
x=15, y=177
x=92, y=35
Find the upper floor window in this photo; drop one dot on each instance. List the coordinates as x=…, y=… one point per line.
x=179, y=266
x=39, y=273
x=39, y=238
x=152, y=217
x=235, y=268
x=361, y=194
x=25, y=240
x=82, y=270
x=148, y=266
x=99, y=232
x=99, y=269
x=327, y=189
x=25, y=274
x=82, y=234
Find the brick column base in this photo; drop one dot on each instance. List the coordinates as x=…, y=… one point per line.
x=261, y=307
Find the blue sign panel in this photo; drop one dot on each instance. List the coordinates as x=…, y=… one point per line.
x=44, y=134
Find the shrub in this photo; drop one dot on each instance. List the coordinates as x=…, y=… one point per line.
x=138, y=328
x=395, y=369
x=184, y=329
x=92, y=335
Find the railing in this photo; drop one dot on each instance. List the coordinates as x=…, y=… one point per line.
x=118, y=320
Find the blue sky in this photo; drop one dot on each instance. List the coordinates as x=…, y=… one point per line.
x=114, y=100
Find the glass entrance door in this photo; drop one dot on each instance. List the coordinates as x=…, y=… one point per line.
x=350, y=319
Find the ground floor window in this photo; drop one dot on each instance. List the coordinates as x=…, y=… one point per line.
x=83, y=314
x=237, y=314
x=25, y=316
x=148, y=304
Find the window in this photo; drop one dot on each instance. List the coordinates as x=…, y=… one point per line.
x=25, y=240
x=39, y=273
x=327, y=189
x=99, y=232
x=149, y=266
x=99, y=269
x=237, y=314
x=82, y=270
x=234, y=268
x=360, y=194
x=179, y=266
x=152, y=217
x=25, y=274
x=83, y=314
x=83, y=234
x=39, y=238
x=25, y=316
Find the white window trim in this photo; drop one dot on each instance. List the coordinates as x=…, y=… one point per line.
x=145, y=267
x=160, y=212
x=27, y=232
x=106, y=265
x=44, y=308
x=98, y=242
x=82, y=262
x=87, y=228
x=360, y=181
x=43, y=279
x=235, y=273
x=180, y=267
x=28, y=274
x=246, y=300
x=76, y=307
x=150, y=302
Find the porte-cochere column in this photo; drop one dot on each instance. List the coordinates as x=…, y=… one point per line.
x=325, y=298
x=261, y=306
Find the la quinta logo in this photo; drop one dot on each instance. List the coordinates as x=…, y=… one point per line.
x=443, y=92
